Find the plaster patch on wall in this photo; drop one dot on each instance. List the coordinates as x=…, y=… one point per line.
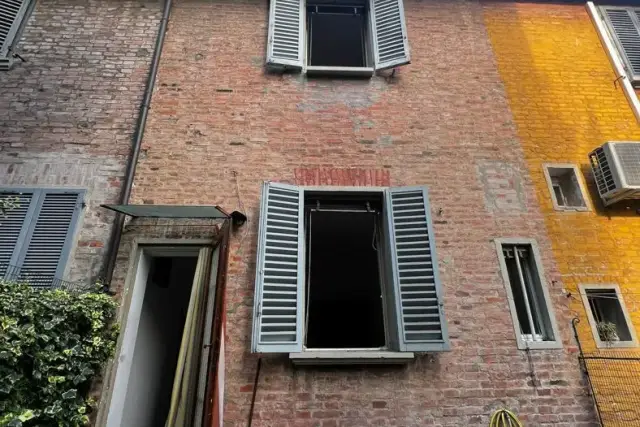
x=319, y=95
x=502, y=186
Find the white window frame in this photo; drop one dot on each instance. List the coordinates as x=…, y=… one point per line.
x=581, y=187
x=614, y=57
x=522, y=341
x=592, y=321
x=321, y=70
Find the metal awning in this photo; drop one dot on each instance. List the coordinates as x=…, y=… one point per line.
x=169, y=211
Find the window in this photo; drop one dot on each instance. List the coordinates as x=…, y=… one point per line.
x=347, y=270
x=344, y=37
x=565, y=187
x=623, y=25
x=13, y=16
x=608, y=316
x=531, y=312
x=36, y=236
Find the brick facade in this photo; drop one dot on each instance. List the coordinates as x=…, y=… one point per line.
x=219, y=126
x=67, y=114
x=562, y=113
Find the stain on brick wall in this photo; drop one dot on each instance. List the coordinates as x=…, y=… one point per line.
x=68, y=113
x=219, y=126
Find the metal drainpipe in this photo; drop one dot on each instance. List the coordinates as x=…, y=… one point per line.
x=118, y=223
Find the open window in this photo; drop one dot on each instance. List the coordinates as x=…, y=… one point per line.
x=532, y=314
x=565, y=187
x=608, y=316
x=347, y=273
x=340, y=37
x=623, y=26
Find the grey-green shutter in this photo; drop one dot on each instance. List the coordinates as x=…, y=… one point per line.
x=279, y=291
x=13, y=229
x=624, y=26
x=12, y=13
x=389, y=32
x=48, y=241
x=414, y=264
x=285, y=43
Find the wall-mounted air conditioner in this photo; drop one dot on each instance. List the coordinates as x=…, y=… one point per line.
x=616, y=169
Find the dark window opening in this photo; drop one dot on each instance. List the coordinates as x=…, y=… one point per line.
x=528, y=296
x=607, y=310
x=344, y=294
x=336, y=36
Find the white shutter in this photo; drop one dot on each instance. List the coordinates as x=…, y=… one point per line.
x=624, y=26
x=285, y=44
x=279, y=291
x=414, y=264
x=390, y=44
x=11, y=15
x=48, y=242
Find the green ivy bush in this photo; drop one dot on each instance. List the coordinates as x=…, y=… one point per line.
x=53, y=343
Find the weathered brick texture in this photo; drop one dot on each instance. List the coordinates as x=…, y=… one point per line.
x=68, y=113
x=219, y=126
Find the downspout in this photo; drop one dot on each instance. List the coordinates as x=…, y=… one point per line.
x=118, y=223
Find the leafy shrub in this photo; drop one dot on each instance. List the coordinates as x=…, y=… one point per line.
x=52, y=344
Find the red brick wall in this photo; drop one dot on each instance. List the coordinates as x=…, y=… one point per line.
x=219, y=126
x=67, y=114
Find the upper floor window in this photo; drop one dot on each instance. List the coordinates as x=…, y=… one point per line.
x=608, y=316
x=13, y=16
x=347, y=271
x=531, y=310
x=339, y=37
x=565, y=187
x=623, y=25
x=36, y=234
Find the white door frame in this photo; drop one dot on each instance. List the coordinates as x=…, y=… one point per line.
x=117, y=376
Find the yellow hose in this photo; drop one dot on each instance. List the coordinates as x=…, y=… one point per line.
x=504, y=418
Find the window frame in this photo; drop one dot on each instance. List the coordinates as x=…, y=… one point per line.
x=581, y=187
x=583, y=287
x=401, y=342
x=323, y=70
x=33, y=213
x=523, y=344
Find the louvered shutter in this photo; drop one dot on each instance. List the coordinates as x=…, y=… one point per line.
x=414, y=265
x=13, y=228
x=48, y=241
x=278, y=308
x=624, y=26
x=11, y=14
x=285, y=45
x=390, y=44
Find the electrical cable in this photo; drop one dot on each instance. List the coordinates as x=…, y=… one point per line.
x=255, y=391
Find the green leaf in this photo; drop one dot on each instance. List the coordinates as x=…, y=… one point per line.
x=70, y=394
x=26, y=415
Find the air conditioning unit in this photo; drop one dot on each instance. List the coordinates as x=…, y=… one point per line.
x=616, y=169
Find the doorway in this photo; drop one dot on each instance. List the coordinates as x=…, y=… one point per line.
x=161, y=356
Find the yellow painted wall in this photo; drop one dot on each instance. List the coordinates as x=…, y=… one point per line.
x=560, y=87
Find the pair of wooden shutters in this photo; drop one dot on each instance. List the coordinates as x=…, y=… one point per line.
x=12, y=12
x=286, y=41
x=415, y=292
x=624, y=26
x=36, y=236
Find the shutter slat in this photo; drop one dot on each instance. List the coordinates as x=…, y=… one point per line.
x=415, y=274
x=280, y=268
x=50, y=237
x=285, y=41
x=391, y=48
x=624, y=26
